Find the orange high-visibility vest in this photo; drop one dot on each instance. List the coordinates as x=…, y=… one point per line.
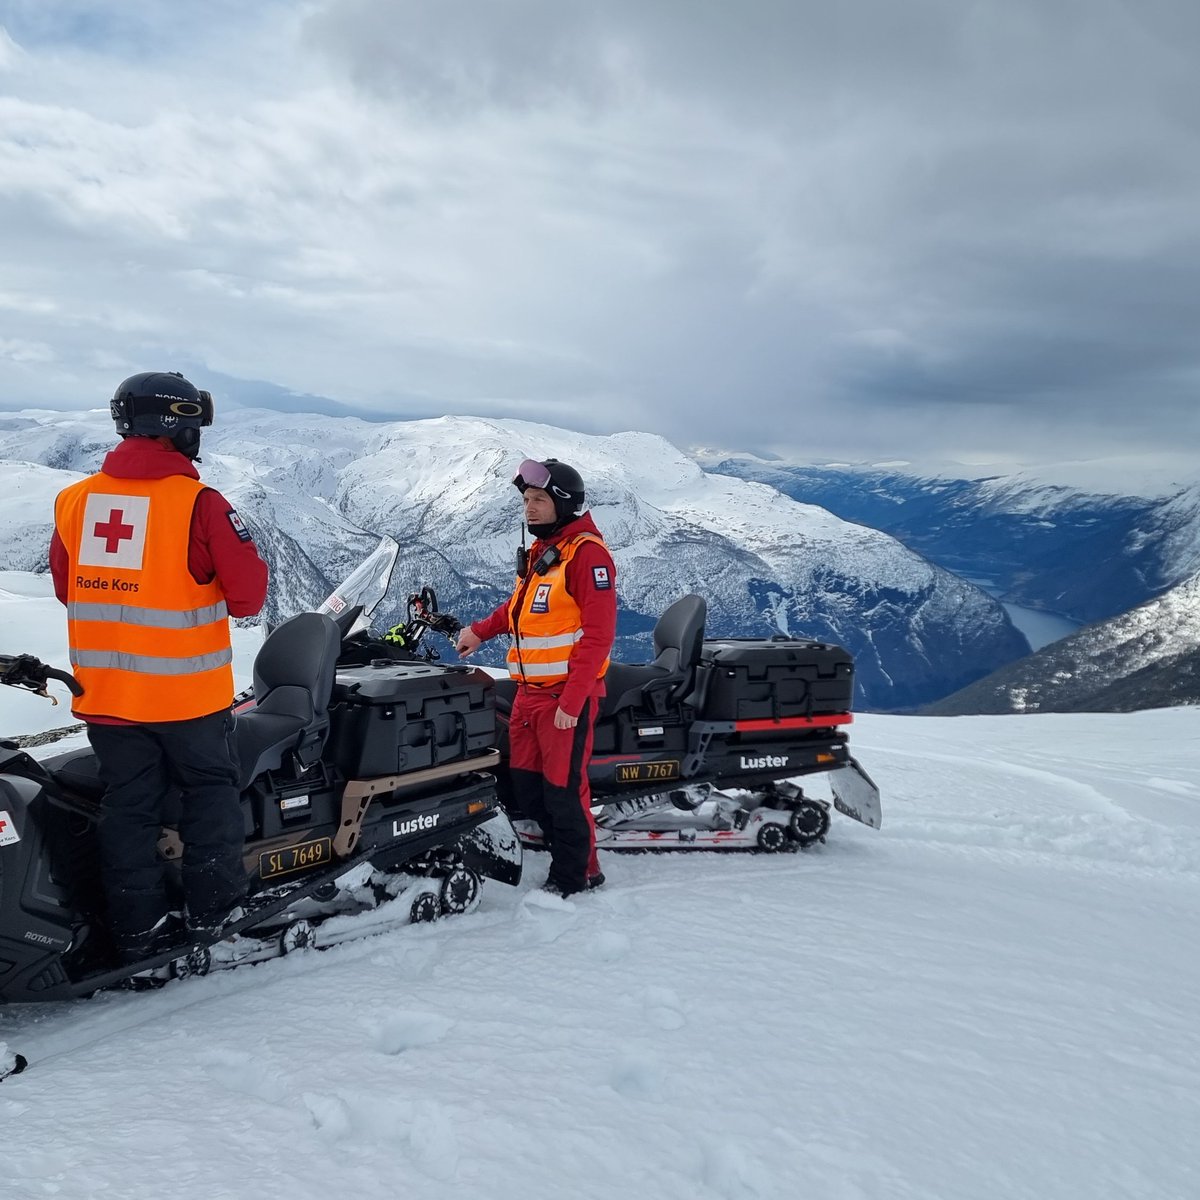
x=545, y=621
x=148, y=643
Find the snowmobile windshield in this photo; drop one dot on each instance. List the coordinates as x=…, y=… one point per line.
x=365, y=586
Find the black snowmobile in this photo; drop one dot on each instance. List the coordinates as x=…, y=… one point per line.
x=699, y=749
x=364, y=788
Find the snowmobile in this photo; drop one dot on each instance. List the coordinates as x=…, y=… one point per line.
x=368, y=792
x=700, y=749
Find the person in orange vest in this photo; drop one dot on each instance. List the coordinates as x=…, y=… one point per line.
x=151, y=564
x=562, y=616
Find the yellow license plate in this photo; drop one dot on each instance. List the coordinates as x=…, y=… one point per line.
x=299, y=857
x=648, y=772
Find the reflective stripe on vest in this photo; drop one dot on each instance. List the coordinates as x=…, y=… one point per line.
x=147, y=642
x=544, y=672
x=148, y=664
x=157, y=618
x=552, y=643
x=545, y=621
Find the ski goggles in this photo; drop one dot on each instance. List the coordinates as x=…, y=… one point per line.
x=533, y=474
x=206, y=407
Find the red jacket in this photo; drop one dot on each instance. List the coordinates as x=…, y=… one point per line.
x=219, y=548
x=597, y=609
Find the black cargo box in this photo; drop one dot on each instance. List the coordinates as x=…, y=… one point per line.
x=745, y=679
x=391, y=717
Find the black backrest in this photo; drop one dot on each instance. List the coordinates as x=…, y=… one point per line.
x=294, y=670
x=679, y=635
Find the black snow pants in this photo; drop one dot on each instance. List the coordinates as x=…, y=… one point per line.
x=141, y=766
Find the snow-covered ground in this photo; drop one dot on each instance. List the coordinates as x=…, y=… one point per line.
x=993, y=997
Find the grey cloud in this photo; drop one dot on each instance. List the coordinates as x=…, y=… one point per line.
x=461, y=56
x=775, y=223
x=819, y=62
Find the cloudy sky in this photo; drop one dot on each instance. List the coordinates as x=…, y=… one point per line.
x=908, y=228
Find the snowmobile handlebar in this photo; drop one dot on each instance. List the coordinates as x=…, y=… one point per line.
x=422, y=615
x=23, y=670
x=423, y=607
x=443, y=623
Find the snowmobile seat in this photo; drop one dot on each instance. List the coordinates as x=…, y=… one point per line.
x=669, y=679
x=79, y=771
x=293, y=680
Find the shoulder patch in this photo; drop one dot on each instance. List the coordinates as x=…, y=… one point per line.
x=601, y=578
x=239, y=526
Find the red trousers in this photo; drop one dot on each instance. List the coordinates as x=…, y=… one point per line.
x=550, y=782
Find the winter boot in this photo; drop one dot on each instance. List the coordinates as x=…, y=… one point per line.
x=556, y=889
x=166, y=933
x=207, y=927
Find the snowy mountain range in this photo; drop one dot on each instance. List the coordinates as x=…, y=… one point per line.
x=1113, y=544
x=1148, y=657
x=887, y=576
x=319, y=490
x=1087, y=541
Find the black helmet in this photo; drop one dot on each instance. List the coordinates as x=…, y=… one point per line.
x=563, y=483
x=162, y=404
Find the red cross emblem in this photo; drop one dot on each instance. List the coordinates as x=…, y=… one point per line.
x=114, y=531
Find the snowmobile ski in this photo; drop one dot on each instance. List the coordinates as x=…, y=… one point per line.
x=855, y=794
